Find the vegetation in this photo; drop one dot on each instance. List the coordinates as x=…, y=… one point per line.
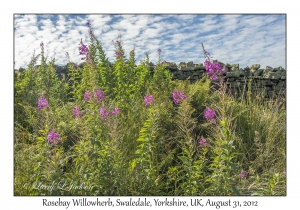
x=120, y=130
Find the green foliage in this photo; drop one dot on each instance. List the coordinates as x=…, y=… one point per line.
x=142, y=150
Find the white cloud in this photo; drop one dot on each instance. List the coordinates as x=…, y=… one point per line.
x=229, y=38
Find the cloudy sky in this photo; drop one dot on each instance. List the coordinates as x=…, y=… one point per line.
x=243, y=39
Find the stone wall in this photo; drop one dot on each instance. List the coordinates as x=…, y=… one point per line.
x=266, y=82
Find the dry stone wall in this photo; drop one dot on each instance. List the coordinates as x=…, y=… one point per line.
x=266, y=82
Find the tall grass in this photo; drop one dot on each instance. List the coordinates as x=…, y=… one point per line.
x=143, y=150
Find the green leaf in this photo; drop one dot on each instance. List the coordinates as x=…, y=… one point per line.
x=184, y=160
x=235, y=190
x=40, y=138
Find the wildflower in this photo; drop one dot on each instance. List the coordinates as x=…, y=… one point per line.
x=132, y=52
x=116, y=111
x=99, y=95
x=53, y=137
x=42, y=44
x=182, y=96
x=119, y=54
x=149, y=100
x=203, y=143
x=42, y=102
x=87, y=96
x=214, y=78
x=76, y=112
x=103, y=113
x=88, y=24
x=209, y=114
x=243, y=174
x=83, y=49
x=159, y=50
x=214, y=69
x=178, y=96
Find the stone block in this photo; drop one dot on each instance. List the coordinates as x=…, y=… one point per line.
x=257, y=72
x=268, y=83
x=255, y=66
x=272, y=75
x=228, y=65
x=182, y=68
x=197, y=73
x=242, y=73
x=190, y=64
x=183, y=64
x=182, y=77
x=200, y=68
x=188, y=73
x=246, y=68
x=265, y=72
x=269, y=68
x=282, y=72
x=198, y=65
x=281, y=84
x=234, y=67
x=170, y=66
x=232, y=74
x=247, y=72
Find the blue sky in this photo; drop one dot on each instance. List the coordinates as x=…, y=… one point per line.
x=229, y=38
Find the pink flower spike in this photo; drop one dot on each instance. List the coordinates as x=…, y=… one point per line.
x=209, y=114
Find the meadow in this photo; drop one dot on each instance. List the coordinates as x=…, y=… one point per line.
x=124, y=130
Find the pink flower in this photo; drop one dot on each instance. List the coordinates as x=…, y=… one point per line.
x=42, y=102
x=53, y=137
x=214, y=78
x=76, y=112
x=209, y=114
x=149, y=100
x=116, y=111
x=203, y=143
x=243, y=174
x=103, y=113
x=99, y=95
x=178, y=96
x=119, y=54
x=87, y=96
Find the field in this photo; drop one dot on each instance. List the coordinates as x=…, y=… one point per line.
x=123, y=130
